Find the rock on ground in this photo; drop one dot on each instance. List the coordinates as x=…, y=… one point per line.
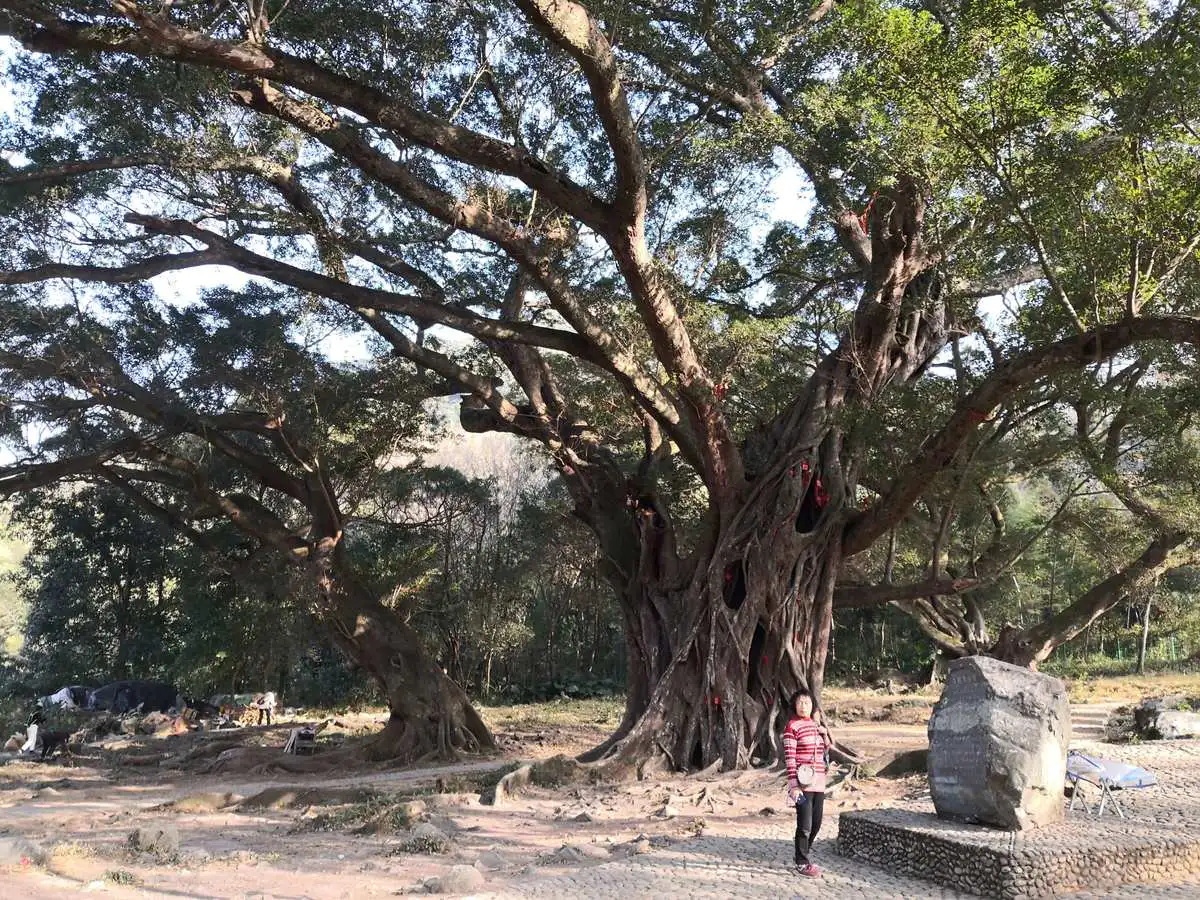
x=1176, y=723
x=510, y=785
x=162, y=840
x=998, y=745
x=426, y=838
x=458, y=880
x=206, y=802
x=1168, y=718
x=15, y=851
x=491, y=861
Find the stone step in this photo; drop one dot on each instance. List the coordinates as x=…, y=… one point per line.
x=1090, y=721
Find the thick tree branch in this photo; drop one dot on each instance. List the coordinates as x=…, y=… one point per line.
x=135, y=271
x=865, y=596
x=233, y=254
x=155, y=35
x=473, y=218
x=64, y=171
x=571, y=27
x=1033, y=645
x=26, y=476
x=997, y=284
x=941, y=448
x=95, y=371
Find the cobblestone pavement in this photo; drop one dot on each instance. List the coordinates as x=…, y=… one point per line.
x=713, y=867
x=755, y=864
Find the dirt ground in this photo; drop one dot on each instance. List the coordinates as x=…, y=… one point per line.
x=257, y=832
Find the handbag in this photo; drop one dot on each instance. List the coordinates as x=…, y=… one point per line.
x=806, y=774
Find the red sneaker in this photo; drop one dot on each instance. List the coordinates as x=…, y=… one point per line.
x=810, y=871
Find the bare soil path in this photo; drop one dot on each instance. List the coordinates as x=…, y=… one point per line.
x=346, y=834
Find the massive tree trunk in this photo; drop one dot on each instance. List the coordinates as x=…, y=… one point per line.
x=430, y=715
x=719, y=637
x=718, y=641
x=719, y=674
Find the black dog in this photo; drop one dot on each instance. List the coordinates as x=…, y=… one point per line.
x=54, y=740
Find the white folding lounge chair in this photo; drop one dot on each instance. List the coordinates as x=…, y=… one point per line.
x=1105, y=775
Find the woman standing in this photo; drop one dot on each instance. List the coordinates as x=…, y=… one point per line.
x=804, y=744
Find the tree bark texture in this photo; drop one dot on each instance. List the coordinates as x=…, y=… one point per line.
x=429, y=714
x=720, y=636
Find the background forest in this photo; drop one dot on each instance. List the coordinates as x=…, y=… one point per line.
x=500, y=580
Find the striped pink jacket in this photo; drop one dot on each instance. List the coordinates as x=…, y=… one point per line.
x=803, y=745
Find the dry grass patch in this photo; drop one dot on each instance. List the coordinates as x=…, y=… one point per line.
x=555, y=713
x=380, y=814
x=1131, y=688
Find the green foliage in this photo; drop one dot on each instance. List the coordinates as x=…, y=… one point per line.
x=97, y=578
x=867, y=641
x=13, y=610
x=494, y=572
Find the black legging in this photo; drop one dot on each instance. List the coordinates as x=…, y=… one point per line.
x=808, y=823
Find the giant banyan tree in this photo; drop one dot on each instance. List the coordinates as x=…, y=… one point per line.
x=708, y=256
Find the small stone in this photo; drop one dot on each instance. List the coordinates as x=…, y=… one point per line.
x=583, y=817
x=411, y=809
x=491, y=861
x=426, y=838
x=459, y=880
x=667, y=812
x=567, y=853
x=161, y=840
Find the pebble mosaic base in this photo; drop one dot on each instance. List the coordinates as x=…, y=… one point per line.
x=1083, y=853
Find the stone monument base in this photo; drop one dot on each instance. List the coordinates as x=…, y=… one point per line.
x=1082, y=853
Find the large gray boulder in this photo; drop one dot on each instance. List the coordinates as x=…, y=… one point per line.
x=998, y=745
x=1177, y=723
x=1168, y=717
